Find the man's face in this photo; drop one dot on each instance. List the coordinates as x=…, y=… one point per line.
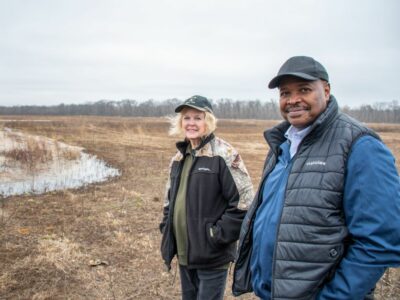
x=301, y=101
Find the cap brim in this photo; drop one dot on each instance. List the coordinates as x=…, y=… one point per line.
x=276, y=80
x=182, y=106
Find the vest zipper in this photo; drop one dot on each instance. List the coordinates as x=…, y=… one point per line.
x=251, y=219
x=279, y=224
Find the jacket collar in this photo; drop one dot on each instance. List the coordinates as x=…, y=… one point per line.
x=276, y=135
x=182, y=145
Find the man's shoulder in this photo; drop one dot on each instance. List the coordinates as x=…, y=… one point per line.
x=367, y=145
x=356, y=128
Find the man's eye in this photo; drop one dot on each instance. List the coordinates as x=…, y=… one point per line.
x=284, y=94
x=304, y=90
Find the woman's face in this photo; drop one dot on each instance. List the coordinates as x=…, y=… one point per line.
x=194, y=125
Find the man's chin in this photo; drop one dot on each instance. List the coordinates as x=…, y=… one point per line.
x=298, y=121
x=296, y=114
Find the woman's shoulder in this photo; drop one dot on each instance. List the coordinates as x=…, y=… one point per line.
x=225, y=150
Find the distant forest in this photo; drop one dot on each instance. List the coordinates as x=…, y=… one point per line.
x=384, y=112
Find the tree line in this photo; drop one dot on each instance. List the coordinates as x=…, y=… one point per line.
x=383, y=112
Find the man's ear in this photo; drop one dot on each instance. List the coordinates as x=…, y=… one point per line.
x=327, y=91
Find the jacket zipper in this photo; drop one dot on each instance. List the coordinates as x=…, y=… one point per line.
x=194, y=159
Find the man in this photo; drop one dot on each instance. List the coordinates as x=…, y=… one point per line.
x=325, y=220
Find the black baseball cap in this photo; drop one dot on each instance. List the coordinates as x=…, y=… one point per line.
x=300, y=66
x=197, y=102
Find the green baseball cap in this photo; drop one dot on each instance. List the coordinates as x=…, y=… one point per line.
x=197, y=102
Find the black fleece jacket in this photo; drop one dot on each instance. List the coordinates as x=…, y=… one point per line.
x=219, y=192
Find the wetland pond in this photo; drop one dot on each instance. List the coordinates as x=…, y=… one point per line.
x=35, y=165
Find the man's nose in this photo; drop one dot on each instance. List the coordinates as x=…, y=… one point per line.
x=293, y=99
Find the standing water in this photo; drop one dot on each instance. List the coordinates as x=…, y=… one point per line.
x=35, y=164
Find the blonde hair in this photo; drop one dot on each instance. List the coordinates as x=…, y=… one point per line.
x=176, y=123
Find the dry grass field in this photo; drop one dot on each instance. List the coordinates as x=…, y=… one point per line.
x=102, y=241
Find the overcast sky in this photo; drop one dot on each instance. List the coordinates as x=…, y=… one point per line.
x=76, y=51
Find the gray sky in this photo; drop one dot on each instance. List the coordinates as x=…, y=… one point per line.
x=75, y=51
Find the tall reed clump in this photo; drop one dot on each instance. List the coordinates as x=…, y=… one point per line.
x=33, y=153
x=30, y=154
x=67, y=153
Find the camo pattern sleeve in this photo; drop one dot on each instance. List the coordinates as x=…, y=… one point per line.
x=238, y=170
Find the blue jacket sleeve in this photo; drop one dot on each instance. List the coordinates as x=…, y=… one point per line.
x=371, y=204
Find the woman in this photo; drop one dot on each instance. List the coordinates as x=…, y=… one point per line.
x=208, y=193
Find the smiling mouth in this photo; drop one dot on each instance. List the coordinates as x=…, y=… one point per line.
x=296, y=109
x=191, y=130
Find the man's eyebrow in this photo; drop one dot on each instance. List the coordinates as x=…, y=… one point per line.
x=300, y=84
x=306, y=83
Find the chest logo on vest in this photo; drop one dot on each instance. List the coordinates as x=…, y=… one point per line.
x=316, y=162
x=204, y=169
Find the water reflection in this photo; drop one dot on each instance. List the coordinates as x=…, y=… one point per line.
x=56, y=174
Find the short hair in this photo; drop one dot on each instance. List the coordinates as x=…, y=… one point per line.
x=176, y=123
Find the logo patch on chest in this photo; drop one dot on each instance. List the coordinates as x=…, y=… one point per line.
x=204, y=169
x=316, y=162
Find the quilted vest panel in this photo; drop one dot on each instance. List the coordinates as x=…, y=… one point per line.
x=312, y=231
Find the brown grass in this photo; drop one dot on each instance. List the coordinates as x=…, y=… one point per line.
x=102, y=241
